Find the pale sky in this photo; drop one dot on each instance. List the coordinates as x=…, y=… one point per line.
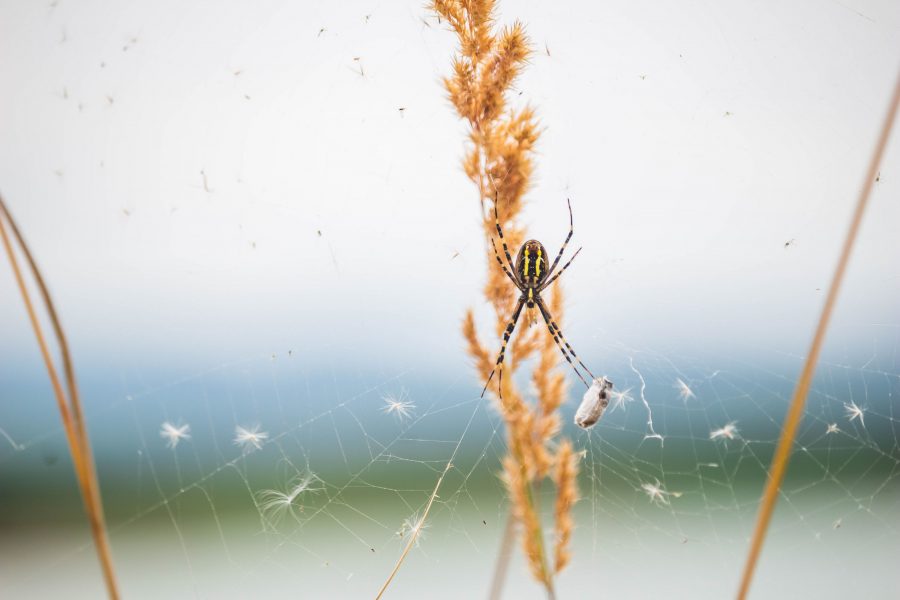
x=172, y=165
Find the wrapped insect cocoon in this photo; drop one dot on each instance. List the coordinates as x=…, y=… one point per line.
x=595, y=401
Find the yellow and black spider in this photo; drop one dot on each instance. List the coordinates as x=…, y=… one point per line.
x=530, y=275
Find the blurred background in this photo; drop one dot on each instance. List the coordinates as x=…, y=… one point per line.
x=254, y=216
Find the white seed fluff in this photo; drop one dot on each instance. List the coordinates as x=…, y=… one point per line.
x=855, y=412
x=274, y=504
x=249, y=438
x=174, y=433
x=399, y=406
x=657, y=494
x=595, y=401
x=728, y=432
x=684, y=390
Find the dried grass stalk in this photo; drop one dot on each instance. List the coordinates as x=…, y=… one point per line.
x=778, y=468
x=565, y=477
x=69, y=406
x=499, y=161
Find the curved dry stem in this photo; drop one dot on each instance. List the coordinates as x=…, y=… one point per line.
x=70, y=408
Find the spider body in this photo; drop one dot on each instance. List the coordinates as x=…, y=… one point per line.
x=532, y=275
x=531, y=268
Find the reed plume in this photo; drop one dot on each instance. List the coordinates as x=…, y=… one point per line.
x=499, y=159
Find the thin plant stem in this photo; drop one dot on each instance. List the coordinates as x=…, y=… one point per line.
x=418, y=529
x=501, y=566
x=795, y=412
x=415, y=532
x=70, y=408
x=42, y=345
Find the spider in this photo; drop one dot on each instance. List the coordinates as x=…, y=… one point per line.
x=531, y=276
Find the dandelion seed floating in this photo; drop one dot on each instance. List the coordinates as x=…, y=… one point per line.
x=413, y=526
x=249, y=439
x=684, y=391
x=855, y=412
x=400, y=406
x=657, y=494
x=729, y=432
x=274, y=503
x=595, y=401
x=174, y=434
x=620, y=399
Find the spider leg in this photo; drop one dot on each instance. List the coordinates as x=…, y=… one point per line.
x=502, y=266
x=506, y=334
x=557, y=334
x=561, y=271
x=500, y=233
x=565, y=243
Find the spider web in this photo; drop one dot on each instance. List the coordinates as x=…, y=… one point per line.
x=671, y=478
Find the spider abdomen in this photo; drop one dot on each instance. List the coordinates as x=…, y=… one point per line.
x=532, y=263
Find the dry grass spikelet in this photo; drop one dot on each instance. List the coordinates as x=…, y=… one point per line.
x=530, y=454
x=500, y=71
x=509, y=164
x=459, y=87
x=472, y=21
x=475, y=348
x=565, y=476
x=519, y=491
x=524, y=345
x=549, y=383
